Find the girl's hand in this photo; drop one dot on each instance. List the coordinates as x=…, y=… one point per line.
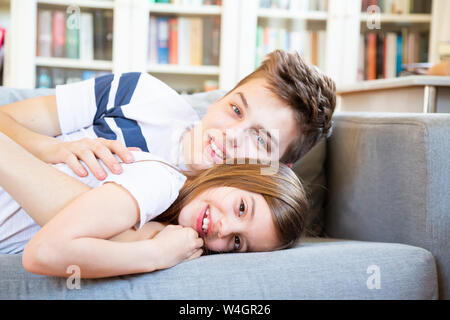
x=90, y=151
x=176, y=244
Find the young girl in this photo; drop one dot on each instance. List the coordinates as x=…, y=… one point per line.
x=102, y=226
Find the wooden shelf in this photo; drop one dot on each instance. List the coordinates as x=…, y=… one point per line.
x=400, y=18
x=184, y=9
x=182, y=69
x=97, y=4
x=286, y=14
x=74, y=63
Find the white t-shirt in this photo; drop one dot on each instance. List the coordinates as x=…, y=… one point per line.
x=153, y=184
x=135, y=108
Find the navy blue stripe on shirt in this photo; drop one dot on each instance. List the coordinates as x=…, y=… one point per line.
x=132, y=133
x=127, y=85
x=102, y=88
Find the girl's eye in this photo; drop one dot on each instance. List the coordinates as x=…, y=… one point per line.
x=236, y=110
x=241, y=208
x=237, y=243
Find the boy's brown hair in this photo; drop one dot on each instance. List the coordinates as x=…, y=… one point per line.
x=310, y=93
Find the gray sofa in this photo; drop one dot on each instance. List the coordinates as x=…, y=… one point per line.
x=380, y=192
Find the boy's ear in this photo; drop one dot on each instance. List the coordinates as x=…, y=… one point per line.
x=289, y=165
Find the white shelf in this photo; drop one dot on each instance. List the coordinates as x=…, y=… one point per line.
x=183, y=9
x=74, y=63
x=400, y=18
x=97, y=4
x=286, y=14
x=181, y=69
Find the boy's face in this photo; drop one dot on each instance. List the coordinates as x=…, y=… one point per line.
x=249, y=122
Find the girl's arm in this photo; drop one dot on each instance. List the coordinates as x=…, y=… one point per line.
x=40, y=189
x=43, y=191
x=76, y=237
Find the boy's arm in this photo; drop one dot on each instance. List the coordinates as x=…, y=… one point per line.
x=33, y=123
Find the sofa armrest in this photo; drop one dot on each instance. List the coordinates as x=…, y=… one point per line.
x=389, y=180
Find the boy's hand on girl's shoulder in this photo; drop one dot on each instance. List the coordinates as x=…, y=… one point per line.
x=90, y=151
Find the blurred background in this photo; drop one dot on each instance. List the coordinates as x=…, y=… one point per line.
x=202, y=45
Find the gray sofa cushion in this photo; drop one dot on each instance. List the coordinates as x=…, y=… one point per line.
x=389, y=181
x=315, y=269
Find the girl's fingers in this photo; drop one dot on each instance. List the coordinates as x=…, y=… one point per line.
x=196, y=254
x=72, y=161
x=199, y=242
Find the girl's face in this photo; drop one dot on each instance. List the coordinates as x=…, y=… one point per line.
x=231, y=219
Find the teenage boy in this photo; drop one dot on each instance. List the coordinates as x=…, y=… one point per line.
x=285, y=105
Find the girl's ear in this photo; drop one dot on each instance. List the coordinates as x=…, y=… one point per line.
x=289, y=165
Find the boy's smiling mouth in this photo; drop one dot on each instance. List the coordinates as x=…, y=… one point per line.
x=216, y=153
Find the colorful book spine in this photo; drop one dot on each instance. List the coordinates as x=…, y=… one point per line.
x=163, y=40
x=59, y=34
x=99, y=38
x=72, y=36
x=173, y=41
x=108, y=36
x=153, y=40
x=196, y=41
x=399, y=63
x=86, y=36
x=44, y=41
x=371, y=56
x=184, y=53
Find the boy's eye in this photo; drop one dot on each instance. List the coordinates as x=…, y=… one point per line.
x=261, y=140
x=236, y=110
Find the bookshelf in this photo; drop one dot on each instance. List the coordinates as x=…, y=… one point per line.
x=340, y=24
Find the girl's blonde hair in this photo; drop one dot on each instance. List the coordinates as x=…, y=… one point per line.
x=282, y=191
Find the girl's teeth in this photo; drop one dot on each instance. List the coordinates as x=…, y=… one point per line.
x=205, y=224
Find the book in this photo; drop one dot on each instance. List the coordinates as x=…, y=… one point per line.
x=380, y=50
x=173, y=41
x=99, y=38
x=361, y=60
x=153, y=40
x=371, y=56
x=44, y=36
x=184, y=54
x=391, y=55
x=72, y=36
x=163, y=39
x=86, y=36
x=207, y=40
x=109, y=28
x=399, y=62
x=196, y=40
x=58, y=33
